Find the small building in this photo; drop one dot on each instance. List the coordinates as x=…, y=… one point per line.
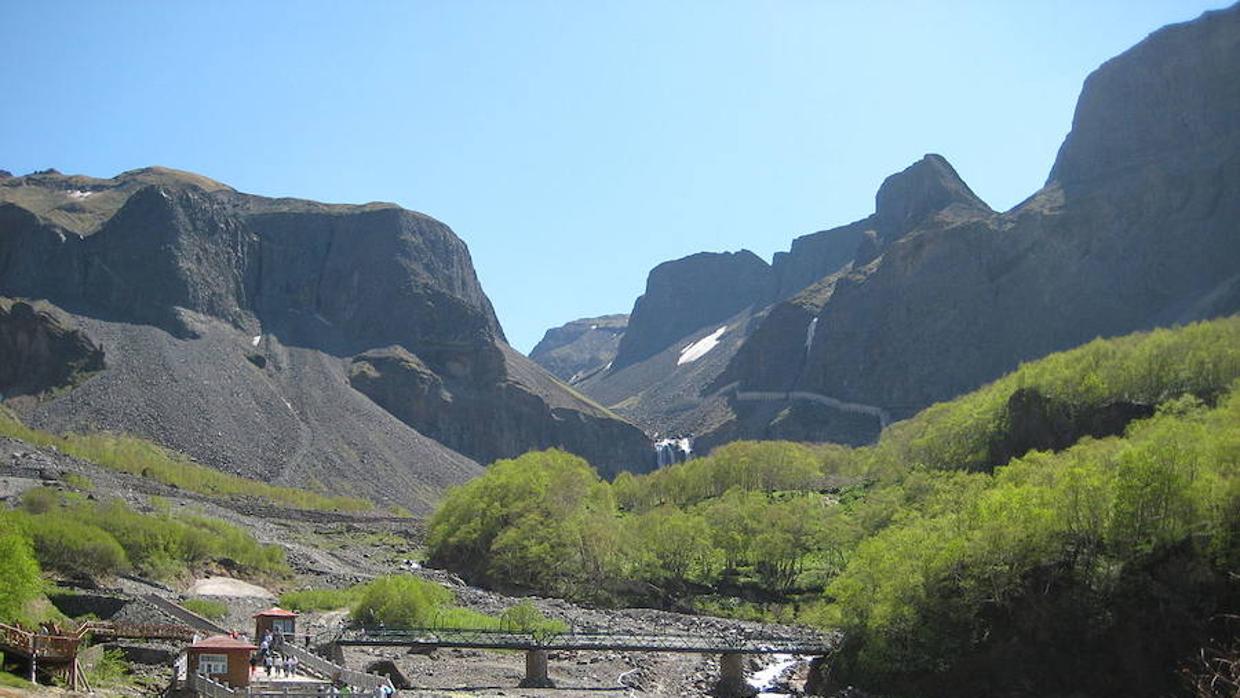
x=280, y=622
x=221, y=658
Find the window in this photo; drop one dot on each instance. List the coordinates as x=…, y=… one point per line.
x=212, y=664
x=282, y=625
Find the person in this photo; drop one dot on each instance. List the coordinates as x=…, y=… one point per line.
x=269, y=662
x=293, y=662
x=288, y=664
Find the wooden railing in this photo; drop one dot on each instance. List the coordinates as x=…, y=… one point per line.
x=39, y=645
x=64, y=646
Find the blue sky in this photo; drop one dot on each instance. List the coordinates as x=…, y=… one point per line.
x=573, y=144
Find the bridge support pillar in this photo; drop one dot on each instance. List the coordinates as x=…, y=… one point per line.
x=536, y=670
x=732, y=683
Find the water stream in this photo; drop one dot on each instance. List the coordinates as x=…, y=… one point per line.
x=765, y=679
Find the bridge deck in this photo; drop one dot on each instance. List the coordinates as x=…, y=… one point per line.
x=508, y=640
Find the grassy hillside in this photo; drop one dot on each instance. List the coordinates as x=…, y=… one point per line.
x=139, y=457
x=66, y=535
x=1072, y=527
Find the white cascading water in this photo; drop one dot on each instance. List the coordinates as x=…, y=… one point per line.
x=675, y=449
x=809, y=335
x=765, y=679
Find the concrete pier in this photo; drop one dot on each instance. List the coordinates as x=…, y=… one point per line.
x=732, y=683
x=536, y=670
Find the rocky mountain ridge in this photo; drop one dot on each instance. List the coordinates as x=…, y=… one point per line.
x=935, y=293
x=248, y=302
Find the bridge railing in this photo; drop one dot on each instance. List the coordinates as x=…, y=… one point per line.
x=748, y=643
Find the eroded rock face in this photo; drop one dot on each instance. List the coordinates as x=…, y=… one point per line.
x=41, y=350
x=497, y=421
x=1033, y=421
x=819, y=254
x=573, y=351
x=690, y=293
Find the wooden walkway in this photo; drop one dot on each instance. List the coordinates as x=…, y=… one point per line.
x=57, y=650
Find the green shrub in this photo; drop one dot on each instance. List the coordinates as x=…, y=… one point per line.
x=400, y=601
x=319, y=599
x=525, y=617
x=40, y=500
x=76, y=536
x=73, y=547
x=211, y=610
x=111, y=669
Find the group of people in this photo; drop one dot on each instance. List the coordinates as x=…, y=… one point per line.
x=271, y=659
x=278, y=663
x=343, y=689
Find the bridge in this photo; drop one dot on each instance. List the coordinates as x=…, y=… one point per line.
x=732, y=647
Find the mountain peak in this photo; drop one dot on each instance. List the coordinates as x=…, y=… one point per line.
x=922, y=189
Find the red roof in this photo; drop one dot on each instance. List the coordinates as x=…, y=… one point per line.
x=222, y=642
x=275, y=612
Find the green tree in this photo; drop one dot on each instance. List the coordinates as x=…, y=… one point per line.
x=400, y=601
x=673, y=545
x=19, y=571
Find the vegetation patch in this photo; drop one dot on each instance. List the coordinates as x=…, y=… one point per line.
x=211, y=610
x=402, y=601
x=955, y=559
x=139, y=457
x=76, y=536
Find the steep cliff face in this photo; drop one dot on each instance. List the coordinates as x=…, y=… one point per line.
x=40, y=349
x=575, y=350
x=814, y=256
x=276, y=288
x=1136, y=228
x=690, y=293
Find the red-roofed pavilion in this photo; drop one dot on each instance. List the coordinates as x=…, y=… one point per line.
x=277, y=620
x=221, y=658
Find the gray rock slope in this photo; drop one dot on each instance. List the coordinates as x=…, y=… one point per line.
x=232, y=324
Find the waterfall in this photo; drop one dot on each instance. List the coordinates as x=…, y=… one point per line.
x=809, y=335
x=673, y=449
